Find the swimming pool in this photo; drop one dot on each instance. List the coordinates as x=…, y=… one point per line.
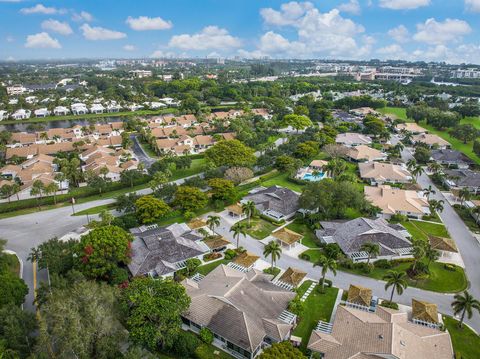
x=310, y=177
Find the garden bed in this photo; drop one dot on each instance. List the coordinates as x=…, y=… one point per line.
x=259, y=228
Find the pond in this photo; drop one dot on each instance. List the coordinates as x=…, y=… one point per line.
x=41, y=126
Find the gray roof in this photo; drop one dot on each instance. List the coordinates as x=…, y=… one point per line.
x=156, y=250
x=451, y=156
x=279, y=199
x=352, y=234
x=464, y=178
x=241, y=307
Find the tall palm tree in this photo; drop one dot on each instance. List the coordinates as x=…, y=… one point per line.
x=397, y=281
x=417, y=171
x=52, y=188
x=434, y=167
x=465, y=303
x=431, y=254
x=212, y=222
x=248, y=208
x=327, y=264
x=435, y=206
x=274, y=250
x=429, y=191
x=476, y=211
x=411, y=164
x=373, y=249
x=464, y=194
x=418, y=253
x=238, y=229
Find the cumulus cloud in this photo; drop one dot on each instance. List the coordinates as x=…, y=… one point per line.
x=158, y=54
x=392, y=52
x=289, y=13
x=129, y=48
x=403, y=4
x=351, y=7
x=472, y=5
x=438, y=32
x=211, y=37
x=41, y=9
x=82, y=16
x=42, y=40
x=399, y=33
x=97, y=33
x=62, y=28
x=143, y=23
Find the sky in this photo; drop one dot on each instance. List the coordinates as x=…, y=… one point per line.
x=428, y=30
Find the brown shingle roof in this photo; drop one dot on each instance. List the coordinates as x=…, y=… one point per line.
x=246, y=259
x=424, y=311
x=443, y=244
x=216, y=242
x=293, y=276
x=287, y=236
x=359, y=295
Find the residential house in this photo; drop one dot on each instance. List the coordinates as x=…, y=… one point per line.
x=365, y=153
x=385, y=333
x=451, y=158
x=350, y=139
x=161, y=251
x=397, y=201
x=112, y=106
x=275, y=202
x=61, y=111
x=463, y=178
x=393, y=239
x=411, y=127
x=380, y=172
x=97, y=108
x=315, y=171
x=22, y=139
x=431, y=140
x=21, y=114
x=3, y=115
x=244, y=310
x=262, y=112
x=79, y=109
x=42, y=112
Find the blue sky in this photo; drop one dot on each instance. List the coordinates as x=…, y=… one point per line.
x=430, y=30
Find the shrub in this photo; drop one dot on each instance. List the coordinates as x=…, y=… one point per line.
x=206, y=335
x=398, y=218
x=274, y=222
x=450, y=267
x=304, y=256
x=383, y=264
x=388, y=304
x=332, y=250
x=346, y=263
x=211, y=256
x=363, y=267
x=230, y=254
x=296, y=306
x=118, y=276
x=420, y=270
x=192, y=265
x=189, y=215
x=328, y=283
x=126, y=221
x=184, y=345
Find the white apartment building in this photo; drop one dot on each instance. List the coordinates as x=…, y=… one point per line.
x=141, y=73
x=42, y=112
x=16, y=90
x=97, y=108
x=61, y=111
x=21, y=114
x=79, y=109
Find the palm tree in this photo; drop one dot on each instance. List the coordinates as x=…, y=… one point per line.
x=411, y=164
x=407, y=137
x=7, y=191
x=476, y=211
x=274, y=250
x=203, y=232
x=238, y=229
x=212, y=222
x=373, y=249
x=37, y=190
x=429, y=191
x=52, y=188
x=418, y=252
x=434, y=167
x=464, y=194
x=399, y=147
x=397, y=281
x=464, y=304
x=431, y=254
x=248, y=208
x=106, y=217
x=15, y=189
x=417, y=171
x=435, y=206
x=327, y=264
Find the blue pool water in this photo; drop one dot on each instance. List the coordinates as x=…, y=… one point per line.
x=312, y=178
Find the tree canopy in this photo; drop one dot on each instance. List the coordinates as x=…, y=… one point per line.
x=231, y=153
x=149, y=209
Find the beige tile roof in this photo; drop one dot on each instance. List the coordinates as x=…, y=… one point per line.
x=443, y=244
x=318, y=163
x=235, y=208
x=424, y=311
x=23, y=137
x=246, y=259
x=360, y=334
x=293, y=276
x=21, y=151
x=287, y=236
x=196, y=223
x=430, y=140
x=411, y=127
x=359, y=295
x=353, y=138
x=393, y=200
x=364, y=152
x=381, y=172
x=216, y=242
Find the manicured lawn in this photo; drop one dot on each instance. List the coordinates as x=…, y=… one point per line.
x=95, y=210
x=466, y=344
x=464, y=214
x=316, y=307
x=259, y=228
x=309, y=238
x=207, y=268
x=399, y=112
x=283, y=181
x=475, y=121
x=421, y=230
x=440, y=279
x=314, y=254
x=304, y=287
x=198, y=166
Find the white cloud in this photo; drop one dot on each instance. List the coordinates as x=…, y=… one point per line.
x=82, y=16
x=143, y=23
x=10, y=38
x=162, y=54
x=288, y=15
x=63, y=28
x=437, y=32
x=403, y=4
x=42, y=40
x=99, y=33
x=472, y=5
x=129, y=48
x=351, y=7
x=392, y=52
x=399, y=33
x=41, y=9
x=211, y=37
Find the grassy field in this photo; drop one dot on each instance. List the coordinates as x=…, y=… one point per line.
x=316, y=307
x=440, y=279
x=398, y=112
x=421, y=230
x=207, y=268
x=466, y=344
x=259, y=228
x=283, y=181
x=309, y=238
x=198, y=166
x=313, y=254
x=95, y=210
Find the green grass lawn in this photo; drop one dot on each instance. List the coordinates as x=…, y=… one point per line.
x=316, y=307
x=475, y=121
x=314, y=254
x=274, y=272
x=198, y=166
x=421, y=230
x=207, y=268
x=283, y=181
x=309, y=238
x=464, y=214
x=303, y=287
x=259, y=228
x=440, y=279
x=466, y=344
x=399, y=112
x=95, y=210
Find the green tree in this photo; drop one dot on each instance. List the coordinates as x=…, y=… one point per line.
x=190, y=198
x=231, y=153
x=7, y=191
x=159, y=179
x=422, y=154
x=238, y=229
x=428, y=191
x=248, y=208
x=152, y=308
x=298, y=122
x=431, y=254
x=212, y=222
x=465, y=132
x=274, y=250
x=464, y=304
x=464, y=194
x=12, y=288
x=37, y=190
x=327, y=264
x=55, y=255
x=418, y=253
x=52, y=188
x=102, y=250
x=396, y=280
x=106, y=217
x=238, y=174
x=435, y=206
x=96, y=182
x=476, y=147
x=372, y=249
x=222, y=189
x=17, y=331
x=129, y=177
x=149, y=209
x=284, y=350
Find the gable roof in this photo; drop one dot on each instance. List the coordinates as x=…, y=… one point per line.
x=292, y=276
x=430, y=139
x=463, y=177
x=393, y=200
x=451, y=156
x=380, y=171
x=279, y=199
x=359, y=295
x=424, y=311
x=353, y=138
x=364, y=152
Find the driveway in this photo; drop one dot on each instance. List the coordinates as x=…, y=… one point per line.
x=140, y=153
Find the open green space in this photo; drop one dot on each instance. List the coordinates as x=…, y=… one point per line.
x=464, y=213
x=398, y=112
x=421, y=230
x=466, y=343
x=198, y=165
x=440, y=279
x=259, y=228
x=207, y=268
x=95, y=210
x=309, y=238
x=283, y=181
x=317, y=306
x=475, y=121
x=313, y=254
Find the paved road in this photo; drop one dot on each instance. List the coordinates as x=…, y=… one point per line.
x=140, y=153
